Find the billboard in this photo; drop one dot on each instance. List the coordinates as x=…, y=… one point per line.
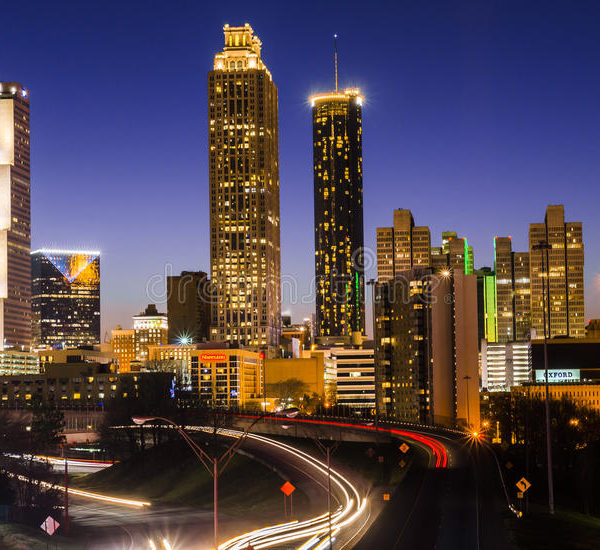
x=558, y=375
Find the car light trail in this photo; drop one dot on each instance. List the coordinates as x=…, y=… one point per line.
x=308, y=532
x=432, y=445
x=72, y=462
x=86, y=494
x=104, y=498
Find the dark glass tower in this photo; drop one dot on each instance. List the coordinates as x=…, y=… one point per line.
x=338, y=194
x=65, y=298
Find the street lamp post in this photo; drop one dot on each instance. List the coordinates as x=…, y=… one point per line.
x=326, y=449
x=543, y=247
x=214, y=465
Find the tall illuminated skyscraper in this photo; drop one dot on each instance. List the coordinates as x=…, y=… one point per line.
x=513, y=291
x=402, y=247
x=244, y=193
x=560, y=271
x=338, y=203
x=15, y=217
x=65, y=299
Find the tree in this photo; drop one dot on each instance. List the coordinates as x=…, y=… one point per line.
x=46, y=425
x=287, y=392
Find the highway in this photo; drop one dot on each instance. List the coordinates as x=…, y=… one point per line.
x=106, y=525
x=452, y=498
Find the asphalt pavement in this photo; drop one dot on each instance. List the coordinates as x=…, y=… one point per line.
x=461, y=507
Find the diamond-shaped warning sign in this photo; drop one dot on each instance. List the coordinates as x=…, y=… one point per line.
x=523, y=484
x=287, y=488
x=50, y=525
x=402, y=464
x=404, y=448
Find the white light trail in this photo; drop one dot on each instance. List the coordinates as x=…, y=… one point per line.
x=307, y=533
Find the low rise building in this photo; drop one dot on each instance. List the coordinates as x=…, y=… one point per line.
x=229, y=377
x=354, y=371
x=504, y=365
x=90, y=354
x=150, y=328
x=309, y=370
x=582, y=394
x=76, y=385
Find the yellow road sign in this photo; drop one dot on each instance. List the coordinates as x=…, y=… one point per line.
x=523, y=484
x=404, y=448
x=386, y=496
x=520, y=494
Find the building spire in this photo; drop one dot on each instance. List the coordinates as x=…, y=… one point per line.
x=335, y=60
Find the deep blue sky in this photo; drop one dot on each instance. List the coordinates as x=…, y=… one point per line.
x=478, y=114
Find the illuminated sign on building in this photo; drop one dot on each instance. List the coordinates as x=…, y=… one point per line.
x=214, y=357
x=558, y=375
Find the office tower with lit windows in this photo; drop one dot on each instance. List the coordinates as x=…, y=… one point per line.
x=15, y=218
x=65, y=298
x=189, y=307
x=486, y=305
x=454, y=254
x=338, y=207
x=401, y=247
x=150, y=328
x=244, y=194
x=513, y=292
x=561, y=266
x=426, y=351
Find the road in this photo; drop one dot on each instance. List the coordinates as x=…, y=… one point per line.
x=456, y=508
x=106, y=526
x=452, y=499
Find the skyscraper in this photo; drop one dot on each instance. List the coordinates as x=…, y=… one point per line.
x=513, y=292
x=338, y=205
x=188, y=307
x=244, y=193
x=486, y=305
x=455, y=254
x=426, y=347
x=562, y=268
x=15, y=217
x=401, y=247
x=65, y=300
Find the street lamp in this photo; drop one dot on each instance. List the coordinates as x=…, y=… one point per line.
x=214, y=465
x=543, y=247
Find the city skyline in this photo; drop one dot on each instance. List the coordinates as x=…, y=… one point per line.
x=132, y=254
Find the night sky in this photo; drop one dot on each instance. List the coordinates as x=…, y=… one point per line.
x=477, y=115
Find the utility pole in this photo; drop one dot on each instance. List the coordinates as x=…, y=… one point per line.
x=329, y=493
x=543, y=247
x=66, y=490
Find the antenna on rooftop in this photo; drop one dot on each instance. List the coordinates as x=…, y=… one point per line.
x=335, y=60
